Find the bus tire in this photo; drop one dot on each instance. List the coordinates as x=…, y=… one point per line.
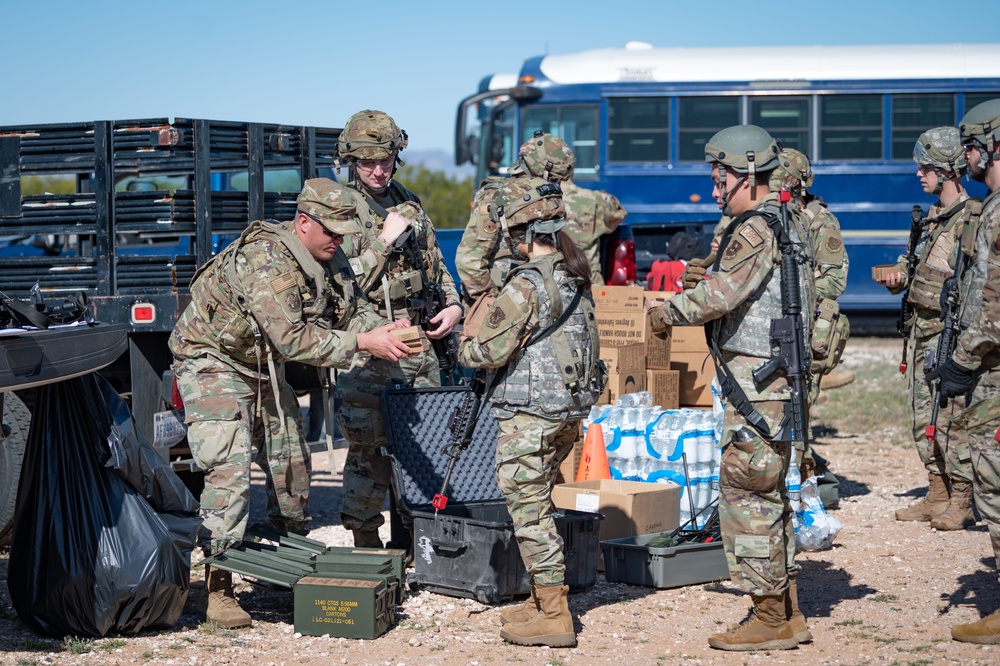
x=18, y=418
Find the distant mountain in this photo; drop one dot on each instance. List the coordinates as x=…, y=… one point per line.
x=438, y=160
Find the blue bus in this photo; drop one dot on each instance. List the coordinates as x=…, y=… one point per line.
x=638, y=118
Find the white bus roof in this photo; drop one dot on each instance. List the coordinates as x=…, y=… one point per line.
x=641, y=62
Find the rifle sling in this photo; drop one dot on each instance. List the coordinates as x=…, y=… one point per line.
x=729, y=386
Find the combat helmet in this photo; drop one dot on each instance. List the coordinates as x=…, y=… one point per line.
x=981, y=124
x=330, y=204
x=745, y=149
x=793, y=172
x=547, y=156
x=531, y=202
x=941, y=148
x=371, y=135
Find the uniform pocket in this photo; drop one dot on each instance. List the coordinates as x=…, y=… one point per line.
x=750, y=465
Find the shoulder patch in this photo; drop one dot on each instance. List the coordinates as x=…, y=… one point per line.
x=751, y=236
x=283, y=283
x=833, y=244
x=489, y=226
x=995, y=247
x=497, y=316
x=732, y=249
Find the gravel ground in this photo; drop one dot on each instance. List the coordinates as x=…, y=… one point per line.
x=886, y=593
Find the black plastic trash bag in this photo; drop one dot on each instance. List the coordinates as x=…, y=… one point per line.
x=103, y=529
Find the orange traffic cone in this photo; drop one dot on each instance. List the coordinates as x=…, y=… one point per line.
x=594, y=458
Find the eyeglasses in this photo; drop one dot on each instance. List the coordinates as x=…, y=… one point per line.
x=327, y=232
x=369, y=165
x=966, y=147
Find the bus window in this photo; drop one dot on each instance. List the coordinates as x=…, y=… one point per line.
x=698, y=119
x=972, y=99
x=912, y=115
x=786, y=118
x=576, y=125
x=639, y=129
x=503, y=134
x=850, y=127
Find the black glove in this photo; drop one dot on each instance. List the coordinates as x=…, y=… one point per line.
x=955, y=380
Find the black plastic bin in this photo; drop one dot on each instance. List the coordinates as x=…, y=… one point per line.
x=468, y=549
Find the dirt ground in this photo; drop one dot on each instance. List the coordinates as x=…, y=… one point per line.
x=886, y=593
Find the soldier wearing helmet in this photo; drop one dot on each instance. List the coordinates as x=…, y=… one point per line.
x=481, y=260
x=939, y=255
x=282, y=292
x=541, y=335
x=370, y=144
x=737, y=302
x=975, y=363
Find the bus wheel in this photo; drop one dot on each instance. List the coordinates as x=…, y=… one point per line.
x=17, y=417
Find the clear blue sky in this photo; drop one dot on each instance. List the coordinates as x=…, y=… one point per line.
x=315, y=63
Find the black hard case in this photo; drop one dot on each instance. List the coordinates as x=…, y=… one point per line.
x=468, y=549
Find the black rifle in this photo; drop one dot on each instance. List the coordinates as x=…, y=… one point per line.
x=788, y=345
x=904, y=324
x=462, y=425
x=428, y=303
x=945, y=346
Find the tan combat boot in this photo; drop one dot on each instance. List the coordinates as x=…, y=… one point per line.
x=984, y=632
x=223, y=611
x=764, y=629
x=958, y=515
x=834, y=380
x=552, y=626
x=522, y=613
x=932, y=505
x=796, y=620
x=367, y=539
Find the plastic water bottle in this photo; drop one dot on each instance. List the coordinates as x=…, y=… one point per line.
x=638, y=399
x=610, y=423
x=793, y=482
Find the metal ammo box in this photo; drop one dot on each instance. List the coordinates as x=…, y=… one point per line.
x=343, y=607
x=347, y=592
x=468, y=548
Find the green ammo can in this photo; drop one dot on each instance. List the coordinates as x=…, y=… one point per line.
x=342, y=607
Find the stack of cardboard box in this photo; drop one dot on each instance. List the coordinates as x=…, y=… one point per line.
x=622, y=325
x=688, y=356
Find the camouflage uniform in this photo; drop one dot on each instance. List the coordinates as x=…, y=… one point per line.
x=482, y=260
x=832, y=262
x=978, y=348
x=754, y=511
x=538, y=420
x=537, y=406
x=937, y=251
x=389, y=281
x=237, y=404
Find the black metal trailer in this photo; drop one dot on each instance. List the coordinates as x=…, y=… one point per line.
x=133, y=253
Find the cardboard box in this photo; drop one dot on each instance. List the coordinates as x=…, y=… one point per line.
x=618, y=299
x=882, y=270
x=629, y=508
x=621, y=383
x=688, y=339
x=665, y=387
x=696, y=373
x=624, y=359
x=657, y=349
x=617, y=328
x=414, y=338
x=654, y=299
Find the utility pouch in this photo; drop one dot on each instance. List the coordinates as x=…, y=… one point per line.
x=925, y=290
x=830, y=333
x=402, y=285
